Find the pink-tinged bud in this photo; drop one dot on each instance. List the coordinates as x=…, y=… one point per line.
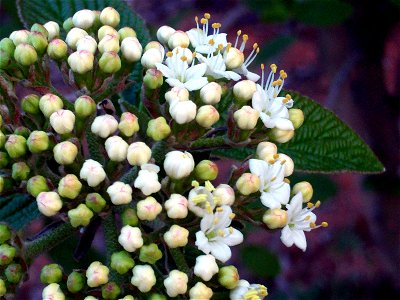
x=97, y=274
x=246, y=118
x=109, y=16
x=153, y=79
x=207, y=116
x=206, y=170
x=25, y=54
x=116, y=148
x=164, y=33
x=36, y=185
x=266, y=151
x=109, y=43
x=305, y=188
x=49, y=104
x=53, y=30
x=51, y=273
x=57, y=49
x=176, y=236
x=110, y=62
x=16, y=146
x=224, y=195
x=176, y=206
x=49, y=203
x=104, y=30
x=151, y=57
x=233, y=58
x=248, y=184
x=53, y=292
x=177, y=94
x=95, y=202
x=131, y=49
x=211, y=93
x=80, y=216
x=200, y=291
x=39, y=41
x=87, y=43
x=38, y=141
x=126, y=32
x=40, y=28
x=148, y=209
x=128, y=124
x=92, y=172
x=65, y=153
x=138, y=154
x=110, y=290
x=176, y=283
x=73, y=36
x=83, y=18
x=178, y=39
x=81, y=61
x=244, y=90
x=130, y=238
x=120, y=193
x=84, y=106
x=287, y=163
x=62, y=121
x=275, y=218
x=19, y=37
x=104, y=126
x=69, y=186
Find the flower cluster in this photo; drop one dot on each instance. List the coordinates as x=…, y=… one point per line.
x=95, y=158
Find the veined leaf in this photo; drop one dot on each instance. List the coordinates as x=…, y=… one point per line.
x=18, y=210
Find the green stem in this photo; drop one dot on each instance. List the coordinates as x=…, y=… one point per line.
x=214, y=142
x=179, y=259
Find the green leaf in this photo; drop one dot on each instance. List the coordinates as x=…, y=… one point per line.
x=270, y=10
x=95, y=146
x=260, y=261
x=18, y=210
x=235, y=153
x=324, y=187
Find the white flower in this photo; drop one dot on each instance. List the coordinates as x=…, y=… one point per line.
x=176, y=206
x=120, y=193
x=176, y=236
x=138, y=154
x=148, y=209
x=216, y=236
x=83, y=18
x=104, y=126
x=143, y=278
x=92, y=172
x=274, y=190
x=49, y=203
x=97, y=274
x=147, y=180
x=178, y=164
x=216, y=67
x=131, y=49
x=201, y=200
x=62, y=121
x=130, y=238
x=53, y=292
x=176, y=283
x=224, y=194
x=116, y=148
x=183, y=111
x=244, y=290
x=206, y=267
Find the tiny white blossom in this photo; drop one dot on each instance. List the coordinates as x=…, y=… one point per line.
x=147, y=180
x=216, y=66
x=206, y=267
x=201, y=200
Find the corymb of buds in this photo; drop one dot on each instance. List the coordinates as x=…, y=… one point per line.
x=138, y=154
x=176, y=206
x=176, y=283
x=176, y=236
x=49, y=203
x=57, y=49
x=38, y=141
x=228, y=277
x=62, y=121
x=150, y=254
x=36, y=185
x=305, y=188
x=211, y=93
x=53, y=30
x=69, y=186
x=65, y=153
x=83, y=19
x=51, y=274
x=81, y=61
x=25, y=54
x=207, y=116
x=120, y=193
x=246, y=118
x=16, y=146
x=92, y=172
x=158, y=129
x=131, y=49
x=116, y=148
x=148, y=209
x=143, y=278
x=248, y=183
x=128, y=124
x=164, y=33
x=244, y=90
x=200, y=291
x=178, y=164
x=97, y=274
x=104, y=126
x=84, y=106
x=80, y=216
x=275, y=218
x=49, y=104
x=109, y=16
x=206, y=170
x=234, y=58
x=122, y=262
x=206, y=267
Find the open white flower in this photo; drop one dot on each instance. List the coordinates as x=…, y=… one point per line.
x=201, y=200
x=216, y=235
x=216, y=66
x=274, y=190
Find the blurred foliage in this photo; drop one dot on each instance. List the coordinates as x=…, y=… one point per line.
x=260, y=261
x=9, y=18
x=18, y=210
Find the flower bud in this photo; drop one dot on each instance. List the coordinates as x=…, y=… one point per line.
x=2, y=184
x=211, y=93
x=75, y=282
x=36, y=185
x=84, y=106
x=176, y=206
x=143, y=278
x=110, y=290
x=176, y=283
x=87, y=43
x=151, y=57
x=206, y=267
x=51, y=274
x=68, y=24
x=16, y=146
x=246, y=118
x=39, y=41
x=49, y=104
x=228, y=277
x=129, y=217
x=206, y=170
x=52, y=292
x=53, y=30
x=5, y=233
x=207, y=116
x=97, y=274
x=305, y=188
x=62, y=121
x=200, y=291
x=234, y=58
x=90, y=298
x=25, y=54
x=109, y=43
x=183, y=111
x=296, y=116
x=83, y=18
x=5, y=59
x=20, y=171
x=74, y=35
x=110, y=62
x=248, y=183
x=128, y=124
x=147, y=180
x=19, y=37
x=158, y=129
x=4, y=160
x=178, y=39
x=130, y=238
x=120, y=193
x=164, y=33
x=275, y=218
x=224, y=195
x=39, y=28
x=281, y=136
x=126, y=32
x=150, y=254
x=138, y=154
x=109, y=16
x=244, y=90
x=7, y=254
x=69, y=186
x=2, y=137
x=266, y=151
x=14, y=273
x=122, y=262
x=30, y=104
x=7, y=45
x=104, y=126
x=153, y=79
x=177, y=94
x=95, y=202
x=92, y=172
x=22, y=131
x=38, y=141
x=65, y=153
x=287, y=163
x=178, y=164
x=49, y=203
x=104, y=30
x=131, y=49
x=81, y=61
x=176, y=236
x=155, y=297
x=116, y=148
x=148, y=209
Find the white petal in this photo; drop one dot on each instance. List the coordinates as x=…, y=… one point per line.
x=203, y=49
x=220, y=251
x=259, y=100
x=286, y=237
x=281, y=194
x=202, y=242
x=299, y=239
x=269, y=200
x=233, y=239
x=167, y=72
x=195, y=72
x=195, y=84
x=206, y=222
x=258, y=167
x=219, y=39
x=175, y=82
x=252, y=76
x=232, y=75
x=283, y=124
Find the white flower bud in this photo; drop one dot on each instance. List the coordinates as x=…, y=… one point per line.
x=176, y=283
x=87, y=43
x=120, y=193
x=154, y=44
x=19, y=37
x=183, y=111
x=288, y=164
x=266, y=151
x=244, y=90
x=74, y=35
x=53, y=29
x=248, y=184
x=116, y=148
x=104, y=30
x=104, y=126
x=128, y=124
x=207, y=116
x=143, y=278
x=130, y=238
x=65, y=153
x=131, y=49
x=211, y=93
x=97, y=274
x=164, y=33
x=125, y=32
x=178, y=39
x=92, y=172
x=151, y=57
x=69, y=186
x=296, y=116
x=305, y=188
x=281, y=136
x=224, y=194
x=83, y=18
x=176, y=206
x=148, y=209
x=49, y=203
x=49, y=104
x=147, y=180
x=178, y=164
x=109, y=16
x=234, y=58
x=246, y=118
x=177, y=94
x=138, y=154
x=62, y=121
x=53, y=292
x=109, y=43
x=275, y=218
x=206, y=267
x=200, y=291
x=81, y=61
x=176, y=236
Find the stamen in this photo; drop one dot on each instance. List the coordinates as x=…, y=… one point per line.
x=286, y=180
x=211, y=42
x=231, y=230
x=238, y=33
x=207, y=16
x=219, y=209
x=195, y=183
x=318, y=204
x=273, y=68
x=232, y=216
x=307, y=218
x=203, y=21
x=183, y=58
x=221, y=233
x=216, y=25
x=262, y=76
x=228, y=47
x=324, y=224
x=310, y=205
x=312, y=225
x=271, y=161
x=273, y=178
x=283, y=74
x=199, y=199
x=276, y=156
x=209, y=186
x=169, y=54
x=216, y=220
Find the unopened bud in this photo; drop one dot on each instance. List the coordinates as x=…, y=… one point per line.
x=248, y=183
x=92, y=172
x=74, y=35
x=49, y=203
x=150, y=254
x=84, y=106
x=178, y=164
x=40, y=28
x=143, y=278
x=246, y=118
x=39, y=41
x=129, y=217
x=7, y=45
x=138, y=154
x=287, y=163
x=97, y=274
x=244, y=90
x=109, y=16
x=2, y=139
x=5, y=233
x=53, y=30
x=183, y=111
x=25, y=54
x=200, y=291
x=153, y=79
x=104, y=30
x=49, y=104
x=62, y=121
x=51, y=274
x=148, y=209
x=275, y=218
x=281, y=136
x=228, y=277
x=110, y=291
x=87, y=43
x=65, y=153
x=224, y=195
x=69, y=186
x=206, y=267
x=178, y=39
x=266, y=151
x=19, y=37
x=38, y=141
x=233, y=58
x=128, y=124
x=131, y=49
x=176, y=206
x=177, y=94
x=176, y=283
x=126, y=32
x=158, y=129
x=53, y=292
x=81, y=61
x=151, y=57
x=36, y=185
x=130, y=238
x=122, y=262
x=296, y=116
x=2, y=184
x=110, y=62
x=147, y=180
x=14, y=273
x=211, y=93
x=4, y=160
x=120, y=193
x=206, y=170
x=68, y=24
x=5, y=59
x=154, y=297
x=176, y=236
x=16, y=146
x=104, y=126
x=83, y=18
x=207, y=116
x=20, y=171
x=116, y=148
x=164, y=33
x=30, y=104
x=7, y=254
x=75, y=282
x=305, y=188
x=22, y=131
x=109, y=43
x=95, y=202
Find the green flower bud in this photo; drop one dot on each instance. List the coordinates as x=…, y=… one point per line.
x=81, y=61
x=49, y=104
x=25, y=54
x=7, y=45
x=57, y=49
x=38, y=141
x=158, y=129
x=68, y=24
x=5, y=59
x=207, y=116
x=65, y=153
x=16, y=146
x=14, y=273
x=39, y=41
x=150, y=253
x=80, y=216
x=7, y=254
x=129, y=217
x=280, y=136
x=104, y=30
x=296, y=116
x=5, y=233
x=1, y=121
x=122, y=262
x=36, y=185
x=2, y=139
x=40, y=28
x=128, y=124
x=19, y=37
x=69, y=186
x=3, y=289
x=51, y=273
x=1, y=184
x=305, y=188
x=75, y=282
x=25, y=132
x=125, y=32
x=157, y=297
x=20, y=171
x=248, y=184
x=84, y=106
x=4, y=160
x=153, y=79
x=95, y=202
x=228, y=277
x=110, y=290
x=110, y=62
x=206, y=170
x=30, y=104
x=275, y=218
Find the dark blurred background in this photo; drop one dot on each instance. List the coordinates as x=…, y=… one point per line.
x=345, y=55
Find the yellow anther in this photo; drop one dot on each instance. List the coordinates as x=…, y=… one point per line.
x=217, y=199
x=183, y=58
x=216, y=25
x=312, y=225
x=262, y=66
x=195, y=183
x=239, y=32
x=258, y=50
x=230, y=230
x=208, y=208
x=232, y=216
x=228, y=47
x=196, y=18
x=307, y=218
x=283, y=162
x=310, y=205
x=318, y=204
x=221, y=233
x=277, y=82
x=283, y=74
x=245, y=38
x=271, y=161
x=324, y=224
x=286, y=180
x=276, y=156
x=286, y=100
x=209, y=186
x=288, y=97
x=207, y=16
x=169, y=54
x=203, y=21
x=216, y=220
x=219, y=209
x=199, y=198
x=194, y=54
x=220, y=47
x=273, y=178
x=273, y=68
x=275, y=95
x=255, y=46
x=211, y=42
